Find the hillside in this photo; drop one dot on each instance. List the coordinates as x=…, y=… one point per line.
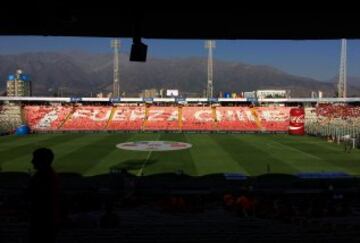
x=79, y=73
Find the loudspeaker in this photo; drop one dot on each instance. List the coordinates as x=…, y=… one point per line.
x=138, y=52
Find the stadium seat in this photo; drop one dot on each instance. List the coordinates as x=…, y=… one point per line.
x=235, y=119
x=333, y=120
x=45, y=117
x=10, y=117
x=197, y=119
x=162, y=118
x=255, y=119
x=128, y=118
x=274, y=118
x=88, y=118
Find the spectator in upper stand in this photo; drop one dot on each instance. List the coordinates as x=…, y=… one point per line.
x=44, y=197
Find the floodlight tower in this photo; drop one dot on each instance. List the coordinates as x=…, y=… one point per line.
x=342, y=85
x=115, y=44
x=210, y=44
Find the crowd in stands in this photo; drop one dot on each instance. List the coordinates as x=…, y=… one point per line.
x=10, y=118
x=324, y=119
x=338, y=111
x=328, y=114
x=333, y=122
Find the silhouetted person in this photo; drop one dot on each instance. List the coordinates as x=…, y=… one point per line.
x=44, y=196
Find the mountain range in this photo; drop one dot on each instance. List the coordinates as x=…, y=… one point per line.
x=351, y=80
x=84, y=74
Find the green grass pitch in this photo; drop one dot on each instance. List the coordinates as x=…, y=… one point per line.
x=92, y=154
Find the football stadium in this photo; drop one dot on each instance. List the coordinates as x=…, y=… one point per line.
x=255, y=145
x=261, y=171
x=241, y=138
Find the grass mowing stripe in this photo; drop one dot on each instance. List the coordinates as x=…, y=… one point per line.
x=298, y=159
x=190, y=162
x=245, y=150
x=92, y=154
x=315, y=141
x=123, y=159
x=87, y=156
x=334, y=160
x=313, y=144
x=171, y=161
x=26, y=149
x=17, y=141
x=209, y=157
x=9, y=139
x=59, y=149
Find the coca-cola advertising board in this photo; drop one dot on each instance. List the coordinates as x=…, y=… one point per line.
x=297, y=121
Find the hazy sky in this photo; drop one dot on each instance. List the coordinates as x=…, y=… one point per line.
x=316, y=59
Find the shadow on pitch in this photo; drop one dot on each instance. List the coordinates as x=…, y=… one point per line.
x=134, y=164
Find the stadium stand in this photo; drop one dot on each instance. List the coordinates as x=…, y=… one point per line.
x=333, y=120
x=253, y=119
x=157, y=118
x=162, y=118
x=274, y=118
x=88, y=118
x=235, y=119
x=197, y=118
x=334, y=114
x=46, y=117
x=324, y=119
x=127, y=118
x=10, y=117
x=185, y=215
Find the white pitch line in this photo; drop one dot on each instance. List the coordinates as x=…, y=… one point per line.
x=147, y=159
x=144, y=164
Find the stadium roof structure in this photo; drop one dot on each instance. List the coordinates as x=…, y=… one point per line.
x=179, y=100
x=100, y=19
